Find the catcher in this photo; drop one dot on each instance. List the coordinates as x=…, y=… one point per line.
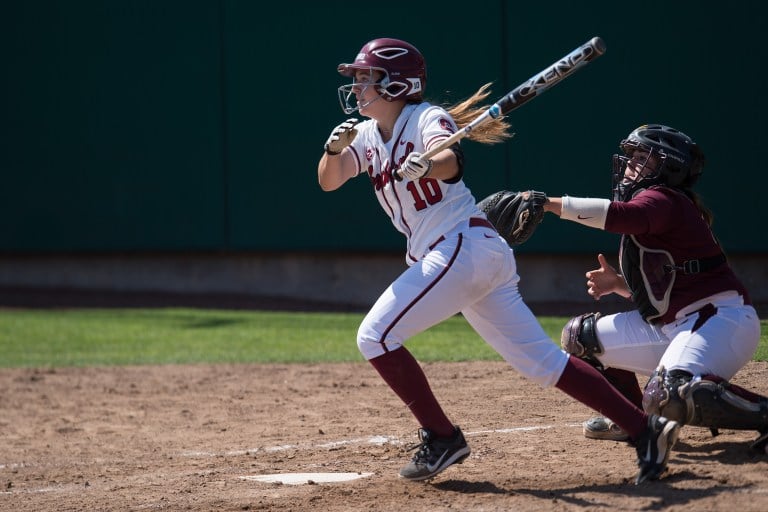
x=693, y=327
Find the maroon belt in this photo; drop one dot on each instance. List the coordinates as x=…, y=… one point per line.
x=477, y=222
x=474, y=222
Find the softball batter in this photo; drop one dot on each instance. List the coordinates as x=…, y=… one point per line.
x=457, y=261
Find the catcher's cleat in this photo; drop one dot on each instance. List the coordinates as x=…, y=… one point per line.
x=654, y=447
x=435, y=454
x=603, y=428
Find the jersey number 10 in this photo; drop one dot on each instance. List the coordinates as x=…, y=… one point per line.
x=425, y=191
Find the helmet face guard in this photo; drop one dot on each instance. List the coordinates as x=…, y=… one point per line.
x=678, y=161
x=401, y=65
x=646, y=173
x=347, y=97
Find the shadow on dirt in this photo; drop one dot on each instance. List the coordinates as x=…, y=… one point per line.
x=724, y=452
x=662, y=493
x=466, y=487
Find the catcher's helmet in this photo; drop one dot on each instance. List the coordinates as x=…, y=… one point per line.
x=679, y=160
x=403, y=67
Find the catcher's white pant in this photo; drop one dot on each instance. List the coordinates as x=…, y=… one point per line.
x=472, y=271
x=722, y=346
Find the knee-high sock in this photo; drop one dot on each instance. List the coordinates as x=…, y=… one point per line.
x=587, y=385
x=404, y=375
x=626, y=382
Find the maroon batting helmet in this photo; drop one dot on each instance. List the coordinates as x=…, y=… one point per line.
x=403, y=67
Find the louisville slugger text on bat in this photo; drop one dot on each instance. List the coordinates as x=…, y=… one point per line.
x=528, y=90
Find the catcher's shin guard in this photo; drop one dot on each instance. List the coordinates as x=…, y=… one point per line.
x=716, y=406
x=703, y=402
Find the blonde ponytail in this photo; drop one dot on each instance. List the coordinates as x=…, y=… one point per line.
x=467, y=111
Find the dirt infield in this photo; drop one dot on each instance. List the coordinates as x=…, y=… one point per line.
x=184, y=438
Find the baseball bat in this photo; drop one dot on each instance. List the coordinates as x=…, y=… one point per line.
x=527, y=90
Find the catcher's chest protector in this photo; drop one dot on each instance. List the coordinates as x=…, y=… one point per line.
x=644, y=272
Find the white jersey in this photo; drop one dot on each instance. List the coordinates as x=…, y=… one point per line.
x=455, y=264
x=425, y=209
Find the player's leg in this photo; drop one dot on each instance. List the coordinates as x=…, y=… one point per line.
x=429, y=292
x=691, y=382
x=618, y=346
x=506, y=323
x=719, y=339
x=629, y=343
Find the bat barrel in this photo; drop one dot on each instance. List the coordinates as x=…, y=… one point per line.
x=527, y=91
x=551, y=75
x=598, y=45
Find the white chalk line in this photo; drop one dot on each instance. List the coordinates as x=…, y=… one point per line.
x=378, y=440
x=15, y=465
x=40, y=490
x=305, y=478
x=374, y=440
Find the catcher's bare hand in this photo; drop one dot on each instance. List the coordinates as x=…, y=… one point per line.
x=416, y=167
x=605, y=280
x=341, y=137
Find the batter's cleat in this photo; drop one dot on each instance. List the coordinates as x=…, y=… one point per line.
x=761, y=443
x=600, y=427
x=435, y=454
x=654, y=447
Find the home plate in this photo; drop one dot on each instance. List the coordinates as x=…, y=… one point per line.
x=306, y=478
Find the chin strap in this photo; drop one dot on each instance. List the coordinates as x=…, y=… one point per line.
x=367, y=103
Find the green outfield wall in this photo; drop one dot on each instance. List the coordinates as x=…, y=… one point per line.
x=192, y=125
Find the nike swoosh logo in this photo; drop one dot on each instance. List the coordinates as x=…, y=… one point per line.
x=402, y=143
x=443, y=461
x=583, y=218
x=432, y=467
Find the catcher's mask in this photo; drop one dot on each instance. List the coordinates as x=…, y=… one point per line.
x=659, y=155
x=401, y=66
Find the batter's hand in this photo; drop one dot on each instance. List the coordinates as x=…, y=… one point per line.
x=341, y=137
x=605, y=280
x=416, y=167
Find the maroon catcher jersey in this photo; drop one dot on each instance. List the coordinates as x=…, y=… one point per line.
x=661, y=218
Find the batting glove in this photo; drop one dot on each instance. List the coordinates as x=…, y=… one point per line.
x=341, y=137
x=416, y=167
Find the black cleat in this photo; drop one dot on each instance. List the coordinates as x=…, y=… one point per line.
x=654, y=447
x=761, y=443
x=435, y=454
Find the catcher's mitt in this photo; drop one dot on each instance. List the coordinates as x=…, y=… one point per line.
x=516, y=215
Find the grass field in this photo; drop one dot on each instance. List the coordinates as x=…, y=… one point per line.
x=99, y=337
